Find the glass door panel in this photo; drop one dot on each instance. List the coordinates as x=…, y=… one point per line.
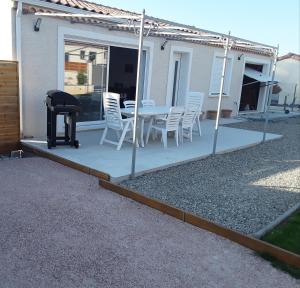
x=176, y=79
x=86, y=77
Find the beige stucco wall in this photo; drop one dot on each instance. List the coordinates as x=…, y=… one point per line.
x=40, y=68
x=288, y=75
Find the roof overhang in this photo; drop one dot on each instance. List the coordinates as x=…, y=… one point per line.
x=153, y=26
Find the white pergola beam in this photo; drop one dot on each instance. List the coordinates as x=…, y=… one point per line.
x=193, y=28
x=97, y=16
x=240, y=42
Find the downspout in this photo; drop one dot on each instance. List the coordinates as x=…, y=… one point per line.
x=19, y=59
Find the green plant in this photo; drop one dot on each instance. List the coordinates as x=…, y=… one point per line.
x=81, y=78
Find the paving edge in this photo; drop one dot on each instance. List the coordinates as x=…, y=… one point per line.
x=276, y=222
x=68, y=163
x=237, y=237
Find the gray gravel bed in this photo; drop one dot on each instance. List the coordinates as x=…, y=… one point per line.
x=244, y=190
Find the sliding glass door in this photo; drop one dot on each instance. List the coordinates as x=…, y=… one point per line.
x=86, y=78
x=91, y=70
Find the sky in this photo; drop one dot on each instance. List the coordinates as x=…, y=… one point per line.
x=266, y=21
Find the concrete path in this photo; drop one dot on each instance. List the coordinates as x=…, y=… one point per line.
x=59, y=229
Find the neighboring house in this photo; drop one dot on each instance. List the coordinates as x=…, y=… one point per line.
x=288, y=77
x=86, y=57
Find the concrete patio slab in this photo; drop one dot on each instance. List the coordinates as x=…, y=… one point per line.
x=153, y=157
x=272, y=115
x=59, y=229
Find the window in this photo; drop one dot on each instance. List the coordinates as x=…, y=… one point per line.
x=82, y=54
x=86, y=80
x=216, y=75
x=67, y=56
x=92, y=56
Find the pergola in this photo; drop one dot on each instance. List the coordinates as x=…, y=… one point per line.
x=144, y=26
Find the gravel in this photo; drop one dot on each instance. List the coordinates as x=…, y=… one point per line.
x=59, y=229
x=244, y=190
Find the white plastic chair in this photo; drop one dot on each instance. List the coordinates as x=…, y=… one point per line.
x=187, y=123
x=129, y=104
x=170, y=123
x=114, y=121
x=148, y=103
x=151, y=103
x=195, y=99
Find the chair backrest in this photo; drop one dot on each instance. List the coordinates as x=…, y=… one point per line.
x=111, y=104
x=195, y=99
x=189, y=116
x=173, y=118
x=129, y=104
x=148, y=103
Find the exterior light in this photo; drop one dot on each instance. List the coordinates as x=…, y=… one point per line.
x=162, y=47
x=37, y=25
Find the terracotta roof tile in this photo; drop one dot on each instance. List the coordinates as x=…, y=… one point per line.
x=90, y=6
x=102, y=9
x=290, y=55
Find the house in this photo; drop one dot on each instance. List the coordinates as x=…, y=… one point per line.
x=86, y=56
x=288, y=76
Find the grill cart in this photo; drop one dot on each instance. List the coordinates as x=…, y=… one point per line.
x=61, y=103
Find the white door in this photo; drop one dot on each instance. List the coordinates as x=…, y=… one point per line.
x=176, y=78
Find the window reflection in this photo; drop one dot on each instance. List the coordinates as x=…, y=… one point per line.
x=86, y=77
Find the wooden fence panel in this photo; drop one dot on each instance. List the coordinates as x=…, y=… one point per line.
x=9, y=107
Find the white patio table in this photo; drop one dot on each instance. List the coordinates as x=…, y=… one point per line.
x=146, y=112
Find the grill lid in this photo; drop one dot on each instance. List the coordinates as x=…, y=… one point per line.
x=57, y=97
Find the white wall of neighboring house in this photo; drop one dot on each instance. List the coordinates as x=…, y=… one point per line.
x=288, y=75
x=43, y=66
x=70, y=80
x=7, y=31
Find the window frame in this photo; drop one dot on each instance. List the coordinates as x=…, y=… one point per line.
x=82, y=55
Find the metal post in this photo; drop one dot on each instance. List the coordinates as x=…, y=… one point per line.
x=294, y=98
x=19, y=59
x=137, y=94
x=220, y=94
x=268, y=99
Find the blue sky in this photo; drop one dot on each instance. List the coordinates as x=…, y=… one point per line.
x=267, y=21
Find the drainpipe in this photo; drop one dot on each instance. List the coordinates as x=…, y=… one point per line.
x=19, y=59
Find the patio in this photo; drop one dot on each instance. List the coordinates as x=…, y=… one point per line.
x=117, y=164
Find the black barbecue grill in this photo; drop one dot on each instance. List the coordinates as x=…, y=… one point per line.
x=61, y=103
